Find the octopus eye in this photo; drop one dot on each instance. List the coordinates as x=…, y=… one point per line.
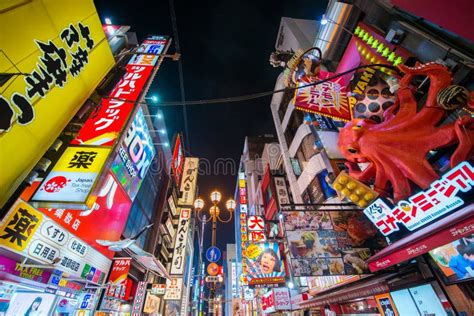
x=358, y=126
x=352, y=150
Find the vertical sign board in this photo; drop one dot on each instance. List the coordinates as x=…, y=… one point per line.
x=281, y=191
x=189, y=181
x=30, y=233
x=256, y=227
x=63, y=47
x=139, y=299
x=118, y=277
x=134, y=156
x=104, y=127
x=177, y=161
x=72, y=178
x=177, y=264
x=243, y=225
x=282, y=299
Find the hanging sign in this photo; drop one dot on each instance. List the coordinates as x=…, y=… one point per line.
x=329, y=98
x=139, y=299
x=426, y=206
x=189, y=181
x=173, y=289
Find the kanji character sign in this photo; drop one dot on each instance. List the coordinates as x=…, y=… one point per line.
x=255, y=223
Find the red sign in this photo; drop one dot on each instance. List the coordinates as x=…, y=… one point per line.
x=106, y=220
x=104, y=128
x=460, y=230
x=329, y=98
x=177, y=161
x=212, y=268
x=268, y=302
x=118, y=278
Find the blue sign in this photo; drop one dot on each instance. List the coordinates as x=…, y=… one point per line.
x=213, y=254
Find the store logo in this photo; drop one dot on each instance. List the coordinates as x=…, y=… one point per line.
x=56, y=184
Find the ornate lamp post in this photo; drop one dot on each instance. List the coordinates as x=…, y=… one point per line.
x=214, y=213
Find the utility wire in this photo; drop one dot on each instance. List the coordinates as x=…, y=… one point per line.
x=267, y=93
x=180, y=71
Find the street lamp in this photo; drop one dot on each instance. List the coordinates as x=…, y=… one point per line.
x=214, y=212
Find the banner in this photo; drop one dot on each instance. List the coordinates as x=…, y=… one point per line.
x=177, y=264
x=282, y=299
x=329, y=98
x=189, y=181
x=139, y=299
x=264, y=264
x=72, y=178
x=63, y=47
x=134, y=156
x=29, y=233
x=330, y=243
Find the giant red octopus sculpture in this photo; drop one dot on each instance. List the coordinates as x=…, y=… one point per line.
x=396, y=149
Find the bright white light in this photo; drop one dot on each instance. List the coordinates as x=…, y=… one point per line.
x=166, y=144
x=280, y=216
x=162, y=131
x=108, y=21
x=154, y=98
x=291, y=285
x=324, y=20
x=159, y=116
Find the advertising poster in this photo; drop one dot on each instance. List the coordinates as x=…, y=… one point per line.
x=455, y=260
x=134, y=156
x=34, y=235
x=110, y=212
x=13, y=267
x=264, y=264
x=30, y=303
x=63, y=47
x=330, y=243
x=118, y=278
x=282, y=299
x=73, y=176
x=385, y=305
x=152, y=303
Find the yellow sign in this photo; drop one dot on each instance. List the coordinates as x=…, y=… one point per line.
x=82, y=159
x=19, y=227
x=57, y=54
x=253, y=251
x=72, y=179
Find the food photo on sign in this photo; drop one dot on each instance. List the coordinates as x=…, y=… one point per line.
x=330, y=243
x=264, y=261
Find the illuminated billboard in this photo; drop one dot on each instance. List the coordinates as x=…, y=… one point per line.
x=63, y=47
x=30, y=233
x=189, y=181
x=177, y=161
x=72, y=178
x=134, y=155
x=330, y=243
x=264, y=264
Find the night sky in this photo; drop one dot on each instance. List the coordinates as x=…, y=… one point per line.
x=225, y=47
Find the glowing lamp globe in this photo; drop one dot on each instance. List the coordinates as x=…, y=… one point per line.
x=215, y=197
x=214, y=210
x=230, y=204
x=199, y=204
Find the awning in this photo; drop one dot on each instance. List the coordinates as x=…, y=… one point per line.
x=453, y=227
x=367, y=287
